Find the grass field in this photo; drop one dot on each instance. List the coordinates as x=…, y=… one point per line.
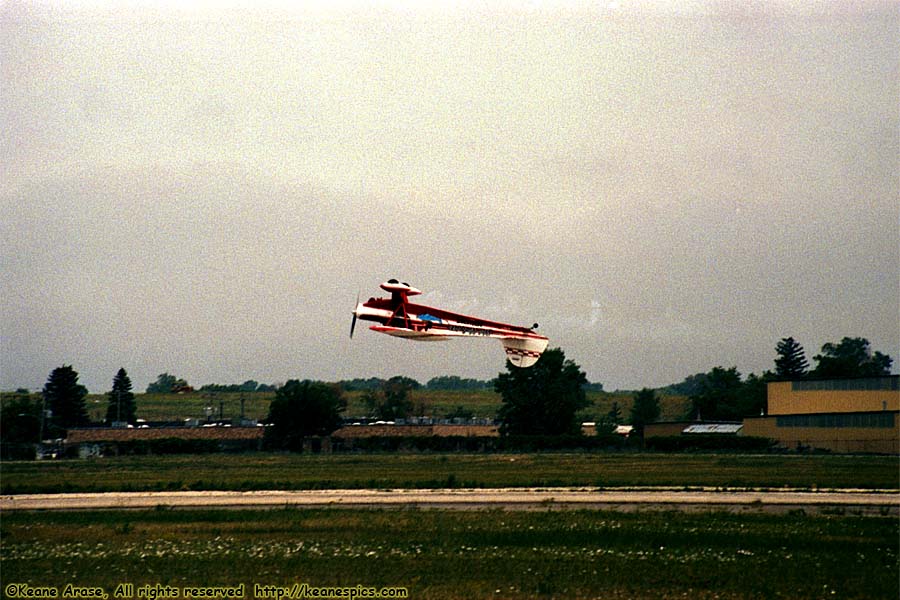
x=436, y=403
x=254, y=471
x=435, y=554
x=450, y=555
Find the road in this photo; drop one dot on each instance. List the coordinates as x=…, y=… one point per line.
x=848, y=501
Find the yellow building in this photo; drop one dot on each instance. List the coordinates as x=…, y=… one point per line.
x=840, y=415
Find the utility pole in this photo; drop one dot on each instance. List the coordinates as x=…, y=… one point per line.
x=43, y=414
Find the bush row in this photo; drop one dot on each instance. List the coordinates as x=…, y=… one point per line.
x=172, y=446
x=536, y=443
x=473, y=443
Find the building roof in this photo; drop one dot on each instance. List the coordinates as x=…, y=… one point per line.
x=725, y=428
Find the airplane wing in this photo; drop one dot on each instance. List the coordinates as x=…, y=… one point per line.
x=522, y=345
x=437, y=316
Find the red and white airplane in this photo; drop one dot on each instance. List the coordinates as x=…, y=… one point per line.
x=399, y=317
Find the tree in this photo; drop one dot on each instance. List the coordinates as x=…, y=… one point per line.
x=852, y=357
x=644, y=410
x=615, y=413
x=391, y=400
x=167, y=384
x=692, y=385
x=64, y=398
x=121, y=406
x=724, y=397
x=606, y=425
x=460, y=412
x=791, y=362
x=304, y=408
x=542, y=399
x=20, y=426
x=453, y=382
x=753, y=395
x=352, y=385
x=249, y=386
x=718, y=395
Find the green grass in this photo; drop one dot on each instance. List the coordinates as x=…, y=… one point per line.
x=459, y=554
x=436, y=403
x=303, y=471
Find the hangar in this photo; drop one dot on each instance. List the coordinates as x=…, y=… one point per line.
x=838, y=415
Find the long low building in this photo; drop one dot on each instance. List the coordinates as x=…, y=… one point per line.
x=839, y=415
x=678, y=428
x=440, y=430
x=110, y=434
x=226, y=433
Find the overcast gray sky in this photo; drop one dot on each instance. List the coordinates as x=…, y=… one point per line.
x=203, y=189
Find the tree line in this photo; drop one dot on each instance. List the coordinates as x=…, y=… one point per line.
x=542, y=400
x=545, y=400
x=722, y=394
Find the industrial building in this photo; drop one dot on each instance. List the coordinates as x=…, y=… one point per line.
x=838, y=415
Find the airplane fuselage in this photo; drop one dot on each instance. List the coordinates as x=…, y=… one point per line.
x=398, y=317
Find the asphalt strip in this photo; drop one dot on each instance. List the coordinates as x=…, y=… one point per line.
x=877, y=502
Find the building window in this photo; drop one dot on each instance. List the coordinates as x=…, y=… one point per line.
x=889, y=383
x=879, y=420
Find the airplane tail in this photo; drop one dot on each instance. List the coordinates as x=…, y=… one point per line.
x=524, y=352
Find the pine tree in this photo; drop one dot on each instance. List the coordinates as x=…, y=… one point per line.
x=791, y=362
x=615, y=413
x=121, y=405
x=606, y=426
x=64, y=398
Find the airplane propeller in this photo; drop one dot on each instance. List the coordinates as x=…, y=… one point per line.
x=353, y=322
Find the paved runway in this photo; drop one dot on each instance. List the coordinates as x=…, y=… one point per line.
x=848, y=501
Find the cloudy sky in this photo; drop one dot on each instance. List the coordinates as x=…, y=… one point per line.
x=203, y=189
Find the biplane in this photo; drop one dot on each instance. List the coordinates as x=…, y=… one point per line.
x=399, y=317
